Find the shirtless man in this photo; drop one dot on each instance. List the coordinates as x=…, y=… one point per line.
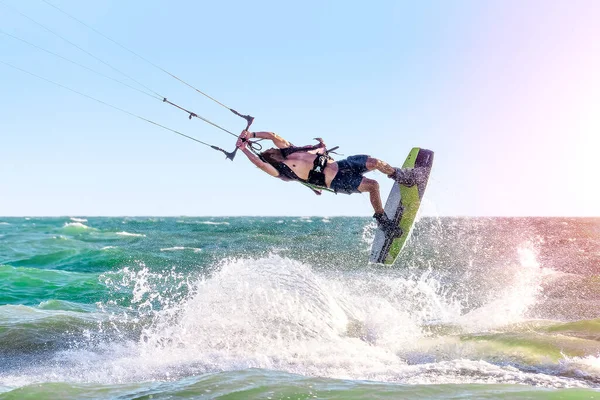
x=313, y=165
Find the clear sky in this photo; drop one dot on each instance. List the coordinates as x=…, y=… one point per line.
x=507, y=93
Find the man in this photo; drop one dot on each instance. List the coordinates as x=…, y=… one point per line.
x=312, y=165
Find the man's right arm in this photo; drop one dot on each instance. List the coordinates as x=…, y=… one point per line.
x=277, y=140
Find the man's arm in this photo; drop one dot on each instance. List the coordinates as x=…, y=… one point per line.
x=241, y=144
x=268, y=168
x=277, y=140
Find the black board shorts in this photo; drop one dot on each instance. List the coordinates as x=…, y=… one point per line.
x=350, y=174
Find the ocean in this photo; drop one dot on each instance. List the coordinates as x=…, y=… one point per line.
x=289, y=308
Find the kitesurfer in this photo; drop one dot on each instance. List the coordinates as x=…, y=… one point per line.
x=314, y=166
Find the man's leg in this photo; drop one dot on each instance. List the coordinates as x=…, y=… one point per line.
x=381, y=166
x=385, y=224
x=404, y=176
x=372, y=187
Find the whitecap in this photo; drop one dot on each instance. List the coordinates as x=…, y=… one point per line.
x=130, y=234
x=75, y=225
x=179, y=248
x=74, y=219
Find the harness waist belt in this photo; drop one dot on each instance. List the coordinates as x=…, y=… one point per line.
x=316, y=176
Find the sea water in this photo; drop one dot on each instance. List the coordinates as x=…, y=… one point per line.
x=289, y=308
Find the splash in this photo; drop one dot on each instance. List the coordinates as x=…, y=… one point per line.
x=582, y=367
x=277, y=313
x=368, y=233
x=518, y=290
x=280, y=314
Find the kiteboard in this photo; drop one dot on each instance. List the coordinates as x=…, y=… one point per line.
x=401, y=207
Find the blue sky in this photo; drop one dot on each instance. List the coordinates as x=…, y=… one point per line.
x=505, y=92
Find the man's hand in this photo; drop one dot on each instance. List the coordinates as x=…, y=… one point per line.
x=242, y=139
x=321, y=142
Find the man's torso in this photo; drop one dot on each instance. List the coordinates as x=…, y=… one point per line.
x=302, y=162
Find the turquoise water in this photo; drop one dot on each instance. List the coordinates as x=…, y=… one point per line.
x=257, y=308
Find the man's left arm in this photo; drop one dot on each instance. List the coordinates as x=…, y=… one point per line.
x=266, y=167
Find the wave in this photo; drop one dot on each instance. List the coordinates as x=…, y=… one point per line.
x=456, y=309
x=57, y=326
x=60, y=237
x=264, y=384
x=196, y=222
x=276, y=313
x=75, y=226
x=123, y=233
x=23, y=285
x=78, y=219
x=180, y=248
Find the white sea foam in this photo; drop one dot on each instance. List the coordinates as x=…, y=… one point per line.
x=75, y=225
x=180, y=248
x=78, y=219
x=214, y=223
x=581, y=366
x=123, y=233
x=4, y=223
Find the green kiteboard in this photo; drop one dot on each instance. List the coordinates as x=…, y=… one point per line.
x=401, y=206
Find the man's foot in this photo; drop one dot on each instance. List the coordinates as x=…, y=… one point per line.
x=408, y=176
x=387, y=225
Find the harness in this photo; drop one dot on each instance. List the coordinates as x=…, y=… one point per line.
x=316, y=176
